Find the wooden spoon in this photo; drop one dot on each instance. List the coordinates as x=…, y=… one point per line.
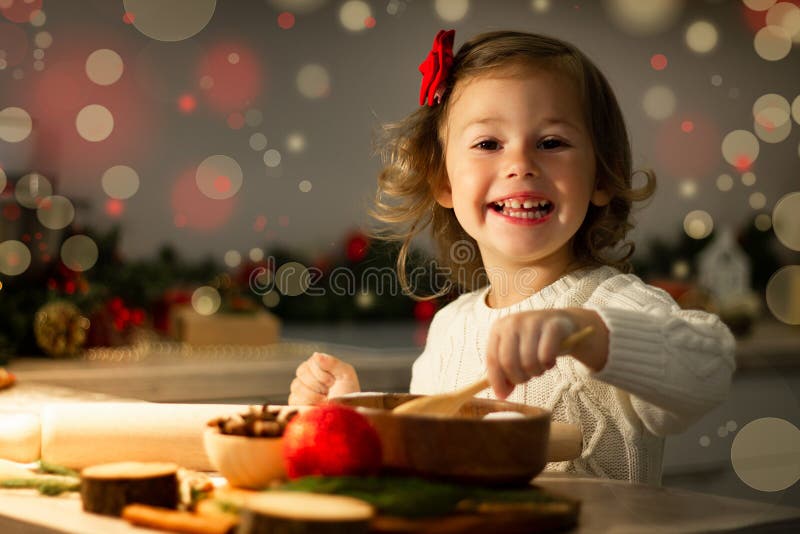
x=448, y=404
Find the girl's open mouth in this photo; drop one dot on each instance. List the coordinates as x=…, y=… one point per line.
x=523, y=209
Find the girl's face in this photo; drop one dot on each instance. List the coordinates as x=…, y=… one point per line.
x=520, y=166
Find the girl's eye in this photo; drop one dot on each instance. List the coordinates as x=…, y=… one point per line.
x=488, y=145
x=551, y=143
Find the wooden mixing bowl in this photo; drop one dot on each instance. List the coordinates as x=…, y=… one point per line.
x=462, y=448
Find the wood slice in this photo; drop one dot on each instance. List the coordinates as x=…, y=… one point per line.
x=107, y=488
x=298, y=512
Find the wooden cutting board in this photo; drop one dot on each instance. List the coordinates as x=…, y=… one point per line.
x=561, y=513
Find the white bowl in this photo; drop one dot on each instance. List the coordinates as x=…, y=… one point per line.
x=244, y=461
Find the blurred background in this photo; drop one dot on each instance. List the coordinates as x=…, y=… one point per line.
x=199, y=171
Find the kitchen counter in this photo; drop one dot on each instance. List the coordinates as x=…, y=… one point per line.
x=606, y=506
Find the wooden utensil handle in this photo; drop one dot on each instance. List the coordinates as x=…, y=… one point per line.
x=565, y=442
x=573, y=339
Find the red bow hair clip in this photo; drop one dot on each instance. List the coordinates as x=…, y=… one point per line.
x=436, y=67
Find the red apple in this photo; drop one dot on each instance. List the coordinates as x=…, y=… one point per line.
x=331, y=440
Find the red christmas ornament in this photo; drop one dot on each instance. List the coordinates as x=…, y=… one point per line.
x=331, y=440
x=357, y=245
x=424, y=310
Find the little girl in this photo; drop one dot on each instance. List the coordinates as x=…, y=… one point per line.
x=520, y=150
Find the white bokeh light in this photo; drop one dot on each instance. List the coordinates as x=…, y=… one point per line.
x=120, y=182
x=104, y=66
x=765, y=454
x=295, y=143
x=219, y=177
x=272, y=158
x=659, y=102
x=55, y=212
x=94, y=123
x=772, y=43
x=258, y=141
x=304, y=186
x=786, y=220
x=353, y=15
x=31, y=189
x=175, y=20
x=451, y=10
x=740, y=148
x=724, y=182
x=79, y=253
x=698, y=224
x=701, y=37
x=206, y=300
x=233, y=258
x=783, y=294
x=15, y=125
x=15, y=258
x=313, y=81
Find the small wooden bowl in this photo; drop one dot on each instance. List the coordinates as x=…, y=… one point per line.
x=464, y=448
x=244, y=461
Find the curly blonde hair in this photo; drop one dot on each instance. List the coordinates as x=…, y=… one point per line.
x=414, y=164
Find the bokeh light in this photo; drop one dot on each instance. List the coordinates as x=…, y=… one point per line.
x=353, y=15
x=94, y=123
x=15, y=125
x=295, y=142
x=687, y=188
x=232, y=258
x=786, y=220
x=540, y=6
x=230, y=87
x=716, y=80
x=272, y=158
x=219, y=177
x=3, y=180
x=292, y=279
x=38, y=18
x=31, y=189
x=206, y=300
x=698, y=224
x=120, y=182
x=659, y=102
x=43, y=40
x=20, y=10
x=740, y=148
x=701, y=37
x=175, y=20
x=194, y=210
x=783, y=294
x=759, y=5
x=796, y=109
x=765, y=454
x=658, y=61
x=772, y=116
x=286, y=21
x=104, y=66
x=256, y=254
x=748, y=178
x=258, y=141
x=15, y=257
x=762, y=222
x=253, y=117
x=55, y=212
x=79, y=253
x=304, y=186
x=787, y=16
x=757, y=200
x=644, y=18
x=271, y=299
x=772, y=43
x=313, y=81
x=451, y=10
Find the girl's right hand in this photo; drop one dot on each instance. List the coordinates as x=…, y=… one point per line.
x=321, y=377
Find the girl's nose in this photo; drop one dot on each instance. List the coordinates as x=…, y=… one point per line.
x=521, y=164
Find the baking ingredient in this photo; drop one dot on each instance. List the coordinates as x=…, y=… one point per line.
x=107, y=488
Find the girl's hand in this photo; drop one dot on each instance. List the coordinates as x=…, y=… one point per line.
x=322, y=377
x=524, y=345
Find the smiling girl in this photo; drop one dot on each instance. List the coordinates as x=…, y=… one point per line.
x=520, y=151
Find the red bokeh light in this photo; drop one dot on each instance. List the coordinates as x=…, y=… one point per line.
x=687, y=126
x=755, y=20
x=187, y=103
x=222, y=184
x=369, y=22
x=236, y=85
x=680, y=155
x=743, y=163
x=658, y=61
x=286, y=20
x=235, y=121
x=192, y=209
x=11, y=212
x=424, y=310
x=20, y=10
x=114, y=207
x=260, y=223
x=128, y=17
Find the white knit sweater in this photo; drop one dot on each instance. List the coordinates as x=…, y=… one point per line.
x=666, y=367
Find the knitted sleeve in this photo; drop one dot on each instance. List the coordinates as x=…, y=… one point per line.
x=675, y=364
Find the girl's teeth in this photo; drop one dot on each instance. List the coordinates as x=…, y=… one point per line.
x=515, y=204
x=528, y=204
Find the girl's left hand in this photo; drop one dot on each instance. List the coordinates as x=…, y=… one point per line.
x=524, y=345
